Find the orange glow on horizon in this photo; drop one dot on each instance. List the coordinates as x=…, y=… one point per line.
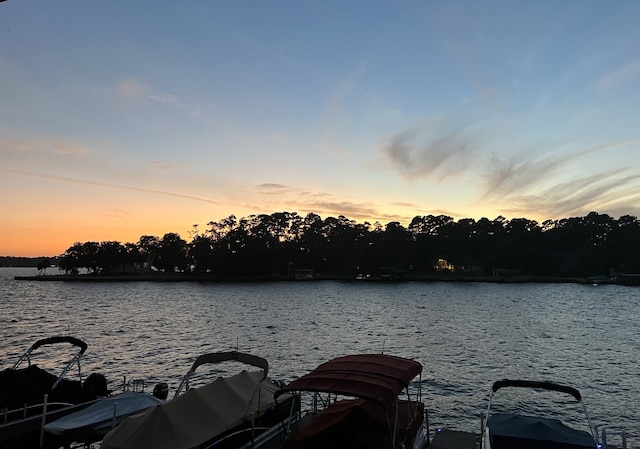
x=55, y=237
x=35, y=241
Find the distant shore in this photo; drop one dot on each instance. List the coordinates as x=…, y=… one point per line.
x=433, y=277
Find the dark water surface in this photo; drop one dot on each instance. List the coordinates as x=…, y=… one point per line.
x=465, y=335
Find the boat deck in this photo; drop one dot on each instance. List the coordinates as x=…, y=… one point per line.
x=454, y=439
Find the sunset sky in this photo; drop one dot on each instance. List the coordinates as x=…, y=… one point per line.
x=127, y=118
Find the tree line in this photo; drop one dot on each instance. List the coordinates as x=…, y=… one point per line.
x=277, y=243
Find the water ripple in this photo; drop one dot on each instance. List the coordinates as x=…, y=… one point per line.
x=465, y=335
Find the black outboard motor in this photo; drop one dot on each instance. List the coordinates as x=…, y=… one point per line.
x=161, y=390
x=95, y=386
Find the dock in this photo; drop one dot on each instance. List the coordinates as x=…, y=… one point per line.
x=454, y=439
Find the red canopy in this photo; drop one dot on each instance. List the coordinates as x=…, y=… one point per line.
x=378, y=377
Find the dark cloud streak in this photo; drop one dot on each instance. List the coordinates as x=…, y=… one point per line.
x=532, y=180
x=594, y=192
x=423, y=151
x=520, y=174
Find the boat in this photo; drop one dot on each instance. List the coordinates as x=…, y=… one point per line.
x=92, y=423
x=31, y=396
x=356, y=401
x=523, y=431
x=223, y=413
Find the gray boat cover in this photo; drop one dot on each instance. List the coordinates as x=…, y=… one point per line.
x=101, y=413
x=523, y=432
x=196, y=416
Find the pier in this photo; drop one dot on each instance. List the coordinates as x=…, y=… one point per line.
x=454, y=439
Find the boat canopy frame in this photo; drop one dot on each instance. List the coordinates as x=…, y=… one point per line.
x=220, y=357
x=539, y=385
x=544, y=385
x=75, y=360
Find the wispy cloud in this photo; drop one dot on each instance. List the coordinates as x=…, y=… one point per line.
x=16, y=145
x=425, y=151
x=415, y=209
x=283, y=197
x=43, y=146
x=520, y=174
x=590, y=193
x=273, y=189
x=539, y=184
x=620, y=76
x=134, y=88
x=114, y=213
x=69, y=149
x=167, y=99
x=110, y=185
x=406, y=205
x=346, y=208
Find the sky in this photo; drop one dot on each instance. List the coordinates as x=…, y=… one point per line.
x=128, y=118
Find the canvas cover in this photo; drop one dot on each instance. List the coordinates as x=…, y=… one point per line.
x=101, y=413
x=508, y=430
x=377, y=377
x=29, y=385
x=196, y=416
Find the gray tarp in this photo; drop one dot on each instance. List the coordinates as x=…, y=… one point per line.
x=196, y=416
x=101, y=413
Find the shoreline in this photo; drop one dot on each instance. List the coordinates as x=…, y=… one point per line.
x=182, y=277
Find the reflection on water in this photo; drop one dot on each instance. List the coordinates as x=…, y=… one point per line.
x=465, y=335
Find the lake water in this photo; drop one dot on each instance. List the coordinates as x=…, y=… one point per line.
x=466, y=335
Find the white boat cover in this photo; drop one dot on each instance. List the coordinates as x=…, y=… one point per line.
x=196, y=416
x=101, y=413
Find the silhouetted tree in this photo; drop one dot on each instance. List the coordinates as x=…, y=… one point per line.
x=43, y=264
x=267, y=244
x=111, y=257
x=149, y=249
x=172, y=253
x=200, y=253
x=133, y=256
